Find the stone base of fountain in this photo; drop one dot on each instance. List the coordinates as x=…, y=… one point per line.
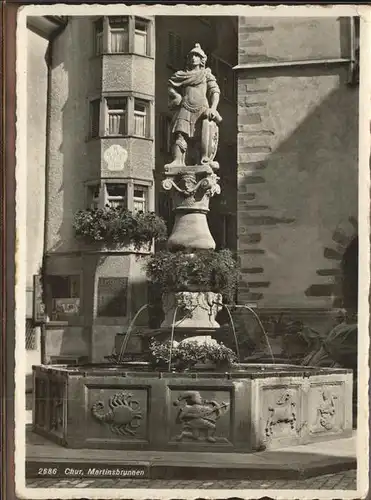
x=255, y=407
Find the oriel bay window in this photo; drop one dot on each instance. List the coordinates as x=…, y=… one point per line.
x=120, y=115
x=123, y=35
x=125, y=193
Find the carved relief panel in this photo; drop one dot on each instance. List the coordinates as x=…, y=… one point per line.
x=200, y=416
x=119, y=414
x=280, y=413
x=326, y=410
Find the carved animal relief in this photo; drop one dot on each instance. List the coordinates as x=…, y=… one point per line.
x=198, y=417
x=284, y=412
x=123, y=414
x=326, y=412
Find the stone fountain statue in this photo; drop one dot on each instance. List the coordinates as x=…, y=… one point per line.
x=194, y=97
x=191, y=177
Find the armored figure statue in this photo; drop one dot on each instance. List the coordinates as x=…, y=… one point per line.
x=194, y=95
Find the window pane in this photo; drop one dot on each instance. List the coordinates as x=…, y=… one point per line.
x=98, y=36
x=116, y=116
x=140, y=37
x=119, y=41
x=171, y=48
x=117, y=203
x=140, y=123
x=140, y=199
x=99, y=25
x=118, y=22
x=117, y=123
x=94, y=118
x=31, y=341
x=115, y=104
x=64, y=286
x=139, y=206
x=119, y=34
x=116, y=190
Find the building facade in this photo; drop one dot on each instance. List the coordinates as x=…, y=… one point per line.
x=99, y=133
x=298, y=166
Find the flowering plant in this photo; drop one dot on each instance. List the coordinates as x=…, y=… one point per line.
x=187, y=354
x=206, y=270
x=117, y=225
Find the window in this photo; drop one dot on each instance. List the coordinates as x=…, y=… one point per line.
x=94, y=118
x=116, y=195
x=31, y=340
x=165, y=133
x=140, y=117
x=225, y=77
x=123, y=116
x=140, y=37
x=175, y=54
x=122, y=35
x=117, y=119
x=65, y=296
x=98, y=28
x=140, y=199
x=118, y=34
x=355, y=48
x=94, y=196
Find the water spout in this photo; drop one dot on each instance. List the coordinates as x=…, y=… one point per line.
x=234, y=333
x=128, y=332
x=262, y=328
x=172, y=338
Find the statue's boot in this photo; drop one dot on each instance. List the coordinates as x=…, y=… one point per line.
x=179, y=151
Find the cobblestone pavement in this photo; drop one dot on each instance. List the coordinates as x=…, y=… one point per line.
x=340, y=481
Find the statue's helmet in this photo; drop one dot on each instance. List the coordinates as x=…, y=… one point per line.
x=198, y=50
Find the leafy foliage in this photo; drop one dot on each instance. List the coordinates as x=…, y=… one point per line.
x=118, y=226
x=186, y=354
x=205, y=270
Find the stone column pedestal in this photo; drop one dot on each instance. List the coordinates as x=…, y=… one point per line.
x=192, y=187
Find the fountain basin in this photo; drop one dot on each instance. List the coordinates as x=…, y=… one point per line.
x=252, y=408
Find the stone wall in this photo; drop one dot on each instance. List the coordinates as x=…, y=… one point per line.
x=297, y=162
x=37, y=83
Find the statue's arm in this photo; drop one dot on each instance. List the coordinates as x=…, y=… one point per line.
x=214, y=100
x=175, y=98
x=213, y=91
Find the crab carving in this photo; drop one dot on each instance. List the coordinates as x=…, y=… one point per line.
x=123, y=415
